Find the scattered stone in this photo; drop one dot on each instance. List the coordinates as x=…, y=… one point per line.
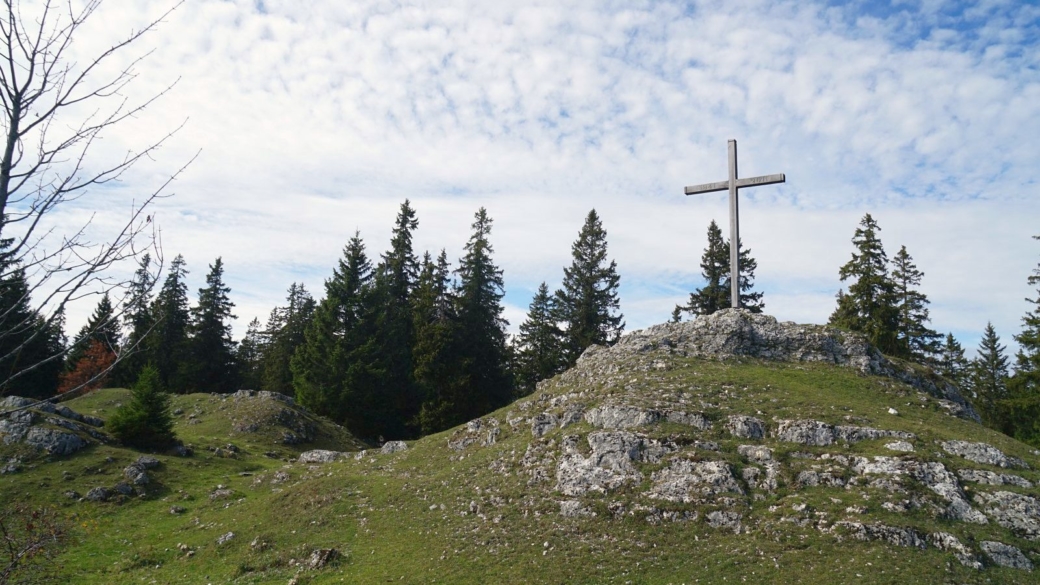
x=543, y=423
x=221, y=493
x=225, y=538
x=1005, y=555
x=258, y=544
x=72, y=494
x=724, y=519
x=990, y=478
x=692, y=419
x=893, y=411
x=982, y=453
x=755, y=453
x=321, y=456
x=98, y=494
x=745, y=427
x=13, y=465
x=575, y=509
x=54, y=441
x=178, y=509
x=903, y=446
x=393, y=447
x=806, y=432
x=182, y=451
x=949, y=542
x=322, y=557
x=906, y=537
x=123, y=488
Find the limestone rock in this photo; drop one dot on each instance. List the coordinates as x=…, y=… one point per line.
x=393, y=447
x=755, y=452
x=902, y=446
x=806, y=432
x=1005, y=555
x=746, y=427
x=1017, y=512
x=610, y=463
x=543, y=423
x=621, y=417
x=982, y=453
x=54, y=441
x=693, y=481
x=321, y=456
x=948, y=542
x=690, y=419
x=322, y=557
x=724, y=519
x=98, y=494
x=225, y=538
x=990, y=478
x=575, y=509
x=899, y=536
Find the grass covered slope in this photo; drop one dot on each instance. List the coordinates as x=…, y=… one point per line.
x=642, y=464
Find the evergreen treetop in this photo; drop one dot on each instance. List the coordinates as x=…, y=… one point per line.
x=167, y=343
x=914, y=339
x=989, y=375
x=539, y=354
x=952, y=364
x=145, y=421
x=1027, y=360
x=716, y=294
x=102, y=326
x=869, y=305
x=212, y=348
x=587, y=305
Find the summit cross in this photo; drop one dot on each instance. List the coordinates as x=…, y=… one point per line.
x=732, y=185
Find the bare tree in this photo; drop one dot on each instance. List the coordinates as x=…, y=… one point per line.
x=57, y=105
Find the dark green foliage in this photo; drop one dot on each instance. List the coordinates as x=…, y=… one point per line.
x=869, y=305
x=951, y=363
x=715, y=269
x=168, y=342
x=334, y=370
x=438, y=368
x=587, y=304
x=212, y=350
x=988, y=381
x=676, y=314
x=137, y=318
x=914, y=339
x=539, y=354
x=31, y=348
x=145, y=421
x=1024, y=386
x=481, y=335
x=249, y=356
x=397, y=401
x=102, y=326
x=284, y=333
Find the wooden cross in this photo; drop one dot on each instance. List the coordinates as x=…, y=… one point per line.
x=732, y=185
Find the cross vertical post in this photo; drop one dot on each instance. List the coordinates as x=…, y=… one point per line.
x=733, y=185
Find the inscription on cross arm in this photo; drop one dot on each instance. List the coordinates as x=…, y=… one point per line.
x=732, y=185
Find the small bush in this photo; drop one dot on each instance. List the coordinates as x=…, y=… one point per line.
x=145, y=421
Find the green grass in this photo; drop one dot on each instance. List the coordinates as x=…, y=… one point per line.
x=431, y=514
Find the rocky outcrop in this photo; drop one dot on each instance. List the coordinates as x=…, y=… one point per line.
x=982, y=453
x=49, y=428
x=321, y=456
x=1005, y=555
x=739, y=333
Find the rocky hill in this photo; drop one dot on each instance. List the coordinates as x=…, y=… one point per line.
x=729, y=448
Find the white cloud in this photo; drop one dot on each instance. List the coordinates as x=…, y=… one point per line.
x=316, y=119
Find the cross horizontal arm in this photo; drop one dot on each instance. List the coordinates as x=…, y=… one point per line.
x=707, y=188
x=755, y=181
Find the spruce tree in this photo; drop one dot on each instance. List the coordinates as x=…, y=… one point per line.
x=715, y=269
x=1027, y=360
x=676, y=316
x=285, y=333
x=145, y=420
x=334, y=370
x=438, y=367
x=588, y=304
x=951, y=363
x=914, y=339
x=869, y=304
x=482, y=329
x=212, y=348
x=137, y=318
x=168, y=342
x=102, y=326
x=31, y=348
x=988, y=381
x=539, y=353
x=249, y=356
x=398, y=401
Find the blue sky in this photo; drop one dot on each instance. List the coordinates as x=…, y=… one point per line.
x=315, y=119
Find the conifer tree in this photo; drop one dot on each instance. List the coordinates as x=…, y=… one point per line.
x=715, y=269
x=988, y=381
x=249, y=356
x=212, y=348
x=869, y=305
x=137, y=318
x=676, y=314
x=952, y=364
x=539, y=353
x=333, y=370
x=482, y=329
x=31, y=348
x=145, y=420
x=285, y=333
x=1027, y=360
x=438, y=368
x=398, y=401
x=914, y=339
x=102, y=327
x=168, y=342
x=588, y=304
